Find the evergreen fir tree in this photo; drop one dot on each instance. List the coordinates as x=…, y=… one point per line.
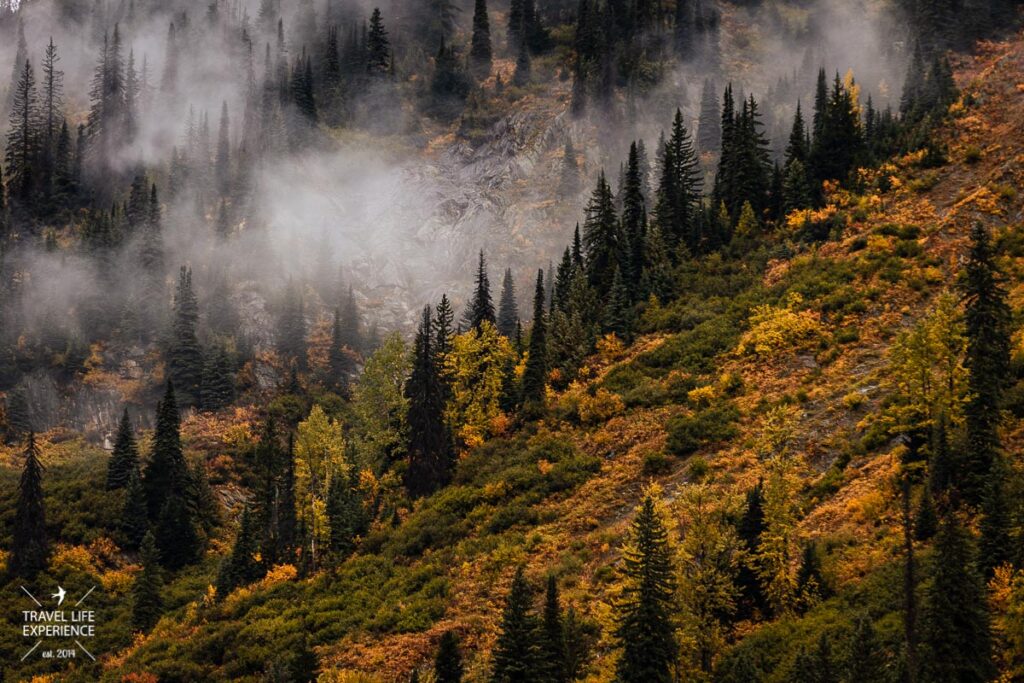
x=508, y=310
x=166, y=471
x=865, y=661
x=523, y=73
x=430, y=455
x=222, y=164
x=925, y=518
x=535, y=374
x=351, y=324
x=147, y=604
x=644, y=614
x=378, y=47
x=552, y=637
x=287, y=517
x=516, y=654
x=291, y=334
x=22, y=152
x=448, y=661
x=134, y=521
x=996, y=543
x=481, y=307
x=241, y=566
x=344, y=512
x=52, y=93
x=602, y=238
x=185, y=358
x=956, y=621
x=709, y=124
x=217, y=389
x=30, y=547
x=569, y=184
x=125, y=458
x=516, y=31
x=619, y=314
x=175, y=532
x=988, y=359
x=634, y=222
x=480, y=50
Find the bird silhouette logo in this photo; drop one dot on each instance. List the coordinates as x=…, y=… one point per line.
x=59, y=595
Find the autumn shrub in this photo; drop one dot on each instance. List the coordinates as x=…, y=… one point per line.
x=775, y=330
x=698, y=469
x=656, y=463
x=688, y=433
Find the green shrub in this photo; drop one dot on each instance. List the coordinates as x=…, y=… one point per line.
x=688, y=433
x=656, y=463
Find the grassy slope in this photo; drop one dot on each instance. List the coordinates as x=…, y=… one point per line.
x=559, y=497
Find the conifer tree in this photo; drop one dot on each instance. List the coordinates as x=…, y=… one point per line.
x=134, y=521
x=602, y=238
x=644, y=614
x=345, y=512
x=20, y=57
x=52, y=93
x=222, y=164
x=508, y=310
x=125, y=458
x=351, y=324
x=535, y=374
x=865, y=660
x=30, y=548
x=444, y=318
x=480, y=51
x=523, y=73
x=516, y=654
x=175, y=532
x=448, y=661
x=987, y=316
x=338, y=360
x=166, y=471
x=429, y=447
x=481, y=306
x=569, y=184
x=552, y=637
x=217, y=389
x=378, y=47
x=516, y=30
x=619, y=313
x=956, y=621
x=709, y=124
x=634, y=221
x=241, y=566
x=147, y=604
x=22, y=151
x=185, y=358
x=287, y=515
x=291, y=334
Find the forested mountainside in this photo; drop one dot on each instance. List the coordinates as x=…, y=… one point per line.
x=513, y=341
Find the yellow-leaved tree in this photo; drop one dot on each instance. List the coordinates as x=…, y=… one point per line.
x=319, y=456
x=777, y=547
x=927, y=367
x=380, y=406
x=476, y=369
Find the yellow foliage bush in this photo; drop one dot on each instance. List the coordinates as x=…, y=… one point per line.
x=774, y=330
x=279, y=573
x=610, y=348
x=73, y=557
x=702, y=396
x=118, y=581
x=600, y=407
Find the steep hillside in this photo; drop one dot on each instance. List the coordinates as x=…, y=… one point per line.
x=787, y=355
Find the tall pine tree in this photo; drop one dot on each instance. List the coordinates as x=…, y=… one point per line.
x=30, y=548
x=644, y=614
